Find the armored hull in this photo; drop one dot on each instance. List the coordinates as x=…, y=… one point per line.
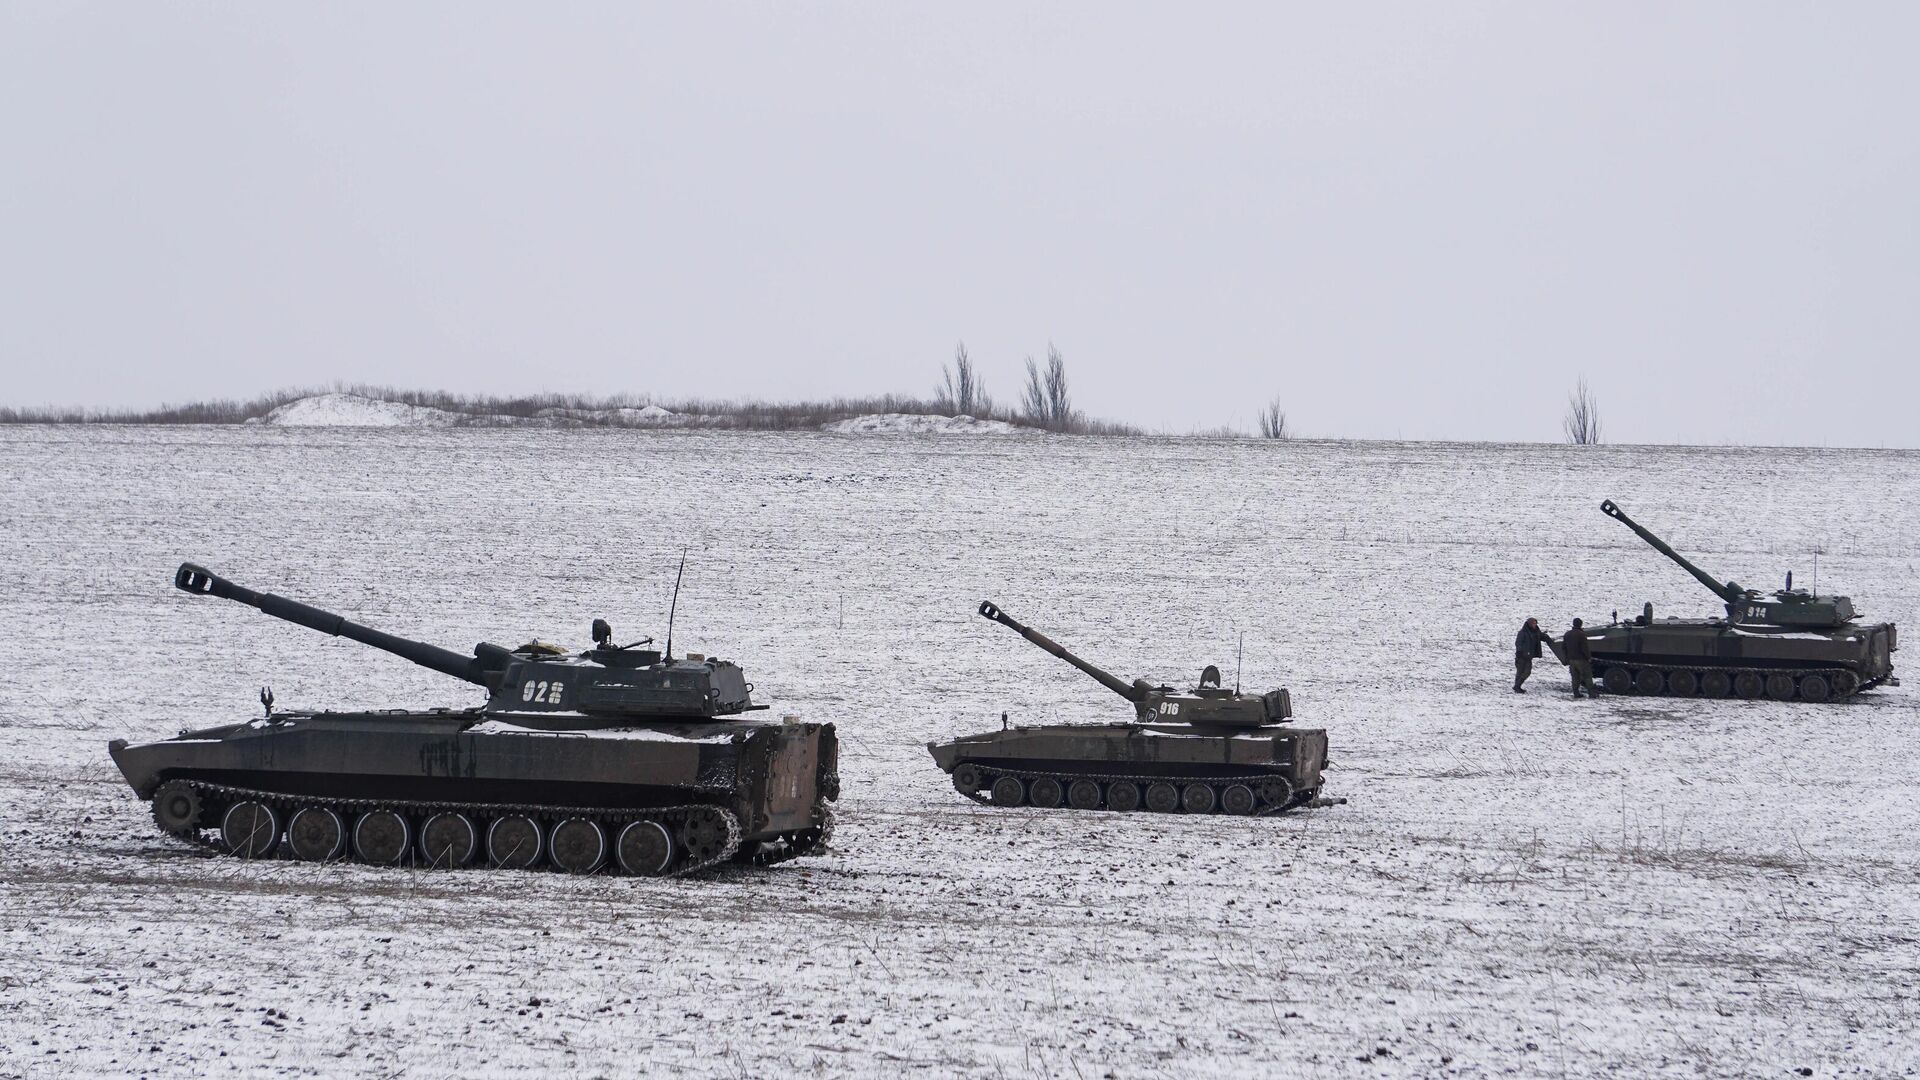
x=1716, y=658
x=1126, y=767
x=452, y=788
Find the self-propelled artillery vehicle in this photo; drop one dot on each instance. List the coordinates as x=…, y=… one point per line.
x=1208, y=750
x=1790, y=644
x=620, y=757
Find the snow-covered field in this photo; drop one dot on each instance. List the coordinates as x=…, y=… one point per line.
x=1525, y=886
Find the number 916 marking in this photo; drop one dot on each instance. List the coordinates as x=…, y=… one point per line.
x=541, y=693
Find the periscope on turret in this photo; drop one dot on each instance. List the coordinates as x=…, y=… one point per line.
x=1791, y=644
x=1208, y=750
x=621, y=756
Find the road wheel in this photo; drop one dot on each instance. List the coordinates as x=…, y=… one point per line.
x=1780, y=687
x=1162, y=797
x=381, y=837
x=1083, y=795
x=1009, y=791
x=250, y=830
x=1845, y=684
x=1045, y=792
x=1123, y=796
x=1198, y=798
x=449, y=840
x=578, y=845
x=1682, y=683
x=645, y=848
x=1617, y=680
x=1813, y=688
x=317, y=834
x=1648, y=682
x=1716, y=684
x=1749, y=685
x=1237, y=799
x=514, y=842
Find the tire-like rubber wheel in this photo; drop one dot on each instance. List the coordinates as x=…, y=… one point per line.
x=1045, y=792
x=1749, y=685
x=578, y=846
x=316, y=834
x=1682, y=683
x=1814, y=688
x=382, y=837
x=1123, y=796
x=514, y=843
x=1617, y=680
x=1648, y=682
x=1716, y=684
x=448, y=840
x=645, y=848
x=966, y=779
x=1083, y=795
x=1845, y=684
x=1198, y=798
x=1237, y=799
x=176, y=808
x=1162, y=797
x=250, y=830
x=1780, y=687
x=1009, y=791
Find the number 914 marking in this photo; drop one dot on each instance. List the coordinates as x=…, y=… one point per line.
x=542, y=693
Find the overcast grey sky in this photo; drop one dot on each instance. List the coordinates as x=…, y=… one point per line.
x=1420, y=220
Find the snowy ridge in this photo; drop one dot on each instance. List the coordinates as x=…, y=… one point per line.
x=355, y=410
x=645, y=416
x=920, y=424
x=352, y=410
x=342, y=410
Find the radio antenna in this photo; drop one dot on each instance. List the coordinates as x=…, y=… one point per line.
x=1237, y=658
x=674, y=607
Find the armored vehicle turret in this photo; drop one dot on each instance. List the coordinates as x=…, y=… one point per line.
x=1785, y=645
x=1208, y=704
x=617, y=756
x=1202, y=751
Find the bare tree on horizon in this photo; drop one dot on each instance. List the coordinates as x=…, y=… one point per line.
x=1582, y=422
x=964, y=392
x=1273, y=422
x=1046, y=401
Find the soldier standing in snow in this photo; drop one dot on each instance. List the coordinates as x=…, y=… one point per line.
x=1526, y=649
x=1578, y=656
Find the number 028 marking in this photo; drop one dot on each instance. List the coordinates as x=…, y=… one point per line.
x=544, y=693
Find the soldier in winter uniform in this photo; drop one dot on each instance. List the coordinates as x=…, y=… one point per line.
x=1526, y=649
x=1579, y=658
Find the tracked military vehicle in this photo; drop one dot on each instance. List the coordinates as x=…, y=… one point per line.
x=1787, y=645
x=619, y=757
x=1208, y=750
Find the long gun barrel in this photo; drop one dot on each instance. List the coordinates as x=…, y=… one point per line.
x=1134, y=692
x=1730, y=591
x=473, y=669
